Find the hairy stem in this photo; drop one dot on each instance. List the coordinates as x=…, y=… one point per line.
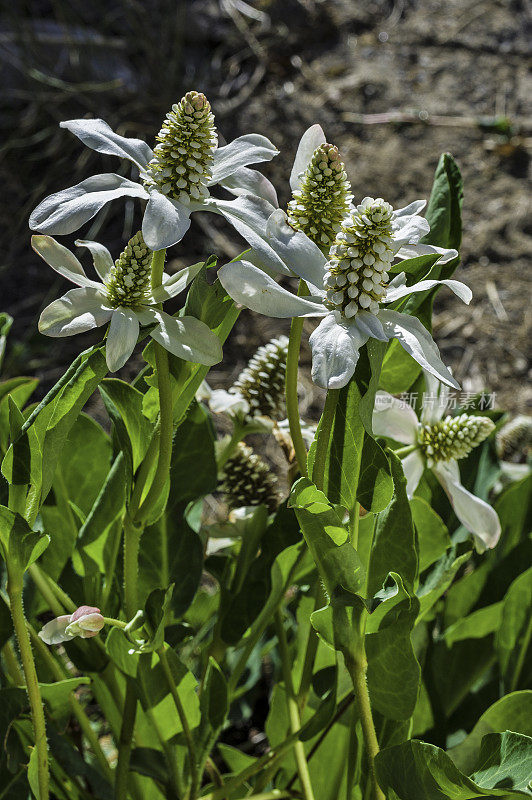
x=125, y=744
x=14, y=590
x=292, y=403
x=293, y=709
x=357, y=670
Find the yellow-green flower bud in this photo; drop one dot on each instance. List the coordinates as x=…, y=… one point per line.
x=248, y=481
x=129, y=279
x=319, y=206
x=453, y=437
x=356, y=276
x=261, y=383
x=184, y=154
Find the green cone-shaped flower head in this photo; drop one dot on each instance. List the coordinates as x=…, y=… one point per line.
x=356, y=276
x=184, y=154
x=261, y=383
x=129, y=279
x=322, y=202
x=248, y=481
x=453, y=437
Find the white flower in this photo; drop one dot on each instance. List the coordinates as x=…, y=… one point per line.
x=437, y=442
x=86, y=622
x=125, y=299
x=174, y=178
x=348, y=290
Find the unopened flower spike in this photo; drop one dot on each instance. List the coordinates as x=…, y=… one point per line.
x=514, y=438
x=322, y=201
x=248, y=481
x=350, y=287
x=85, y=622
x=258, y=392
x=438, y=443
x=125, y=299
x=175, y=178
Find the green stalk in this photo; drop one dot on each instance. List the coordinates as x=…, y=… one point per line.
x=354, y=522
x=14, y=590
x=264, y=762
x=293, y=710
x=193, y=767
x=401, y=452
x=292, y=403
x=166, y=416
x=75, y=706
x=357, y=670
x=125, y=744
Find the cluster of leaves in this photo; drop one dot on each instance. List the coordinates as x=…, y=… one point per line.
x=446, y=631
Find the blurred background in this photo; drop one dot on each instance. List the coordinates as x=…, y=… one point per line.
x=392, y=82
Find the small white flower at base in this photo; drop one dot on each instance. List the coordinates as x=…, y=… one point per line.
x=437, y=444
x=85, y=622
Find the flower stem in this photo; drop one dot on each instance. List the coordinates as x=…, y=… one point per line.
x=193, y=770
x=404, y=451
x=14, y=590
x=357, y=670
x=125, y=744
x=522, y=655
x=166, y=419
x=292, y=404
x=293, y=709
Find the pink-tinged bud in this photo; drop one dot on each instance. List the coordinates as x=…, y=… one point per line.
x=86, y=621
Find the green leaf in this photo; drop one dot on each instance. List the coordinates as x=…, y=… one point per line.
x=399, y=369
x=511, y=711
x=122, y=653
x=124, y=406
x=33, y=773
x=506, y=762
x=214, y=701
x=156, y=612
x=150, y=762
x=171, y=552
x=338, y=564
x=56, y=695
x=352, y=449
x=33, y=457
x=393, y=670
x=476, y=625
x=432, y=535
x=415, y=268
x=207, y=301
x=394, y=546
x=514, y=508
x=440, y=578
x=20, y=545
x=193, y=445
x=19, y=390
x=415, y=770
x=107, y=509
x=327, y=538
x=445, y=205
x=513, y=635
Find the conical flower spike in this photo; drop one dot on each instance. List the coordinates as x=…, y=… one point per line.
x=261, y=383
x=357, y=277
x=183, y=158
x=322, y=202
x=248, y=481
x=129, y=280
x=453, y=437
